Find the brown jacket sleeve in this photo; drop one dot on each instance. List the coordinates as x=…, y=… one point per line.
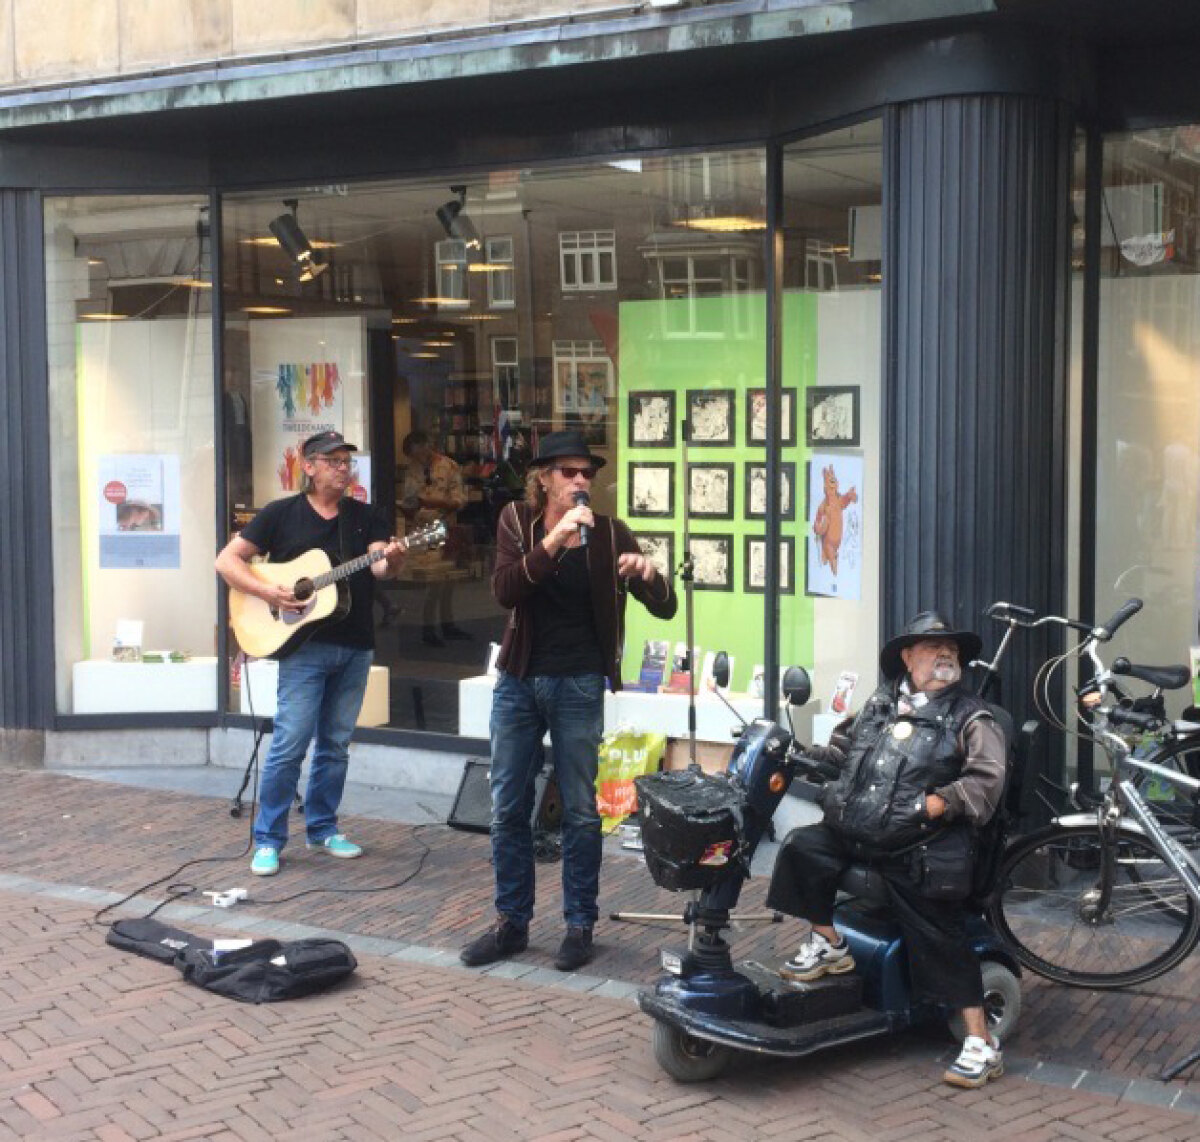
x=975, y=794
x=518, y=573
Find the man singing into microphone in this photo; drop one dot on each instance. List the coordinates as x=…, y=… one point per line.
x=563, y=573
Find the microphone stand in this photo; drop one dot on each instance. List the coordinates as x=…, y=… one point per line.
x=687, y=575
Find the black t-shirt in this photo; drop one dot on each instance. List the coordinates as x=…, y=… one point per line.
x=564, y=626
x=289, y=527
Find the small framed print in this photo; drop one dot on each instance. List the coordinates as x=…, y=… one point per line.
x=756, y=490
x=756, y=417
x=710, y=491
x=659, y=548
x=711, y=417
x=831, y=417
x=755, y=564
x=651, y=490
x=652, y=419
x=712, y=560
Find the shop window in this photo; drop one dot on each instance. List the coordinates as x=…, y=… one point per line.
x=686, y=277
x=451, y=254
x=129, y=321
x=830, y=419
x=1147, y=472
x=500, y=276
x=588, y=260
x=486, y=381
x=582, y=387
x=506, y=375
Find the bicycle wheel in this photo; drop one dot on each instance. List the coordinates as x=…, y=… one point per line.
x=1175, y=808
x=1048, y=907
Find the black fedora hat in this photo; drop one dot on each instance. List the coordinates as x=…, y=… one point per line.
x=560, y=445
x=928, y=624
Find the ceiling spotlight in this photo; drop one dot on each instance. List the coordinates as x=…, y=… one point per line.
x=296, y=245
x=456, y=222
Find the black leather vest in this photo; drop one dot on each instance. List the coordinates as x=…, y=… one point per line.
x=894, y=760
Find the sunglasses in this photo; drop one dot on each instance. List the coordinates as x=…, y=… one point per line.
x=570, y=471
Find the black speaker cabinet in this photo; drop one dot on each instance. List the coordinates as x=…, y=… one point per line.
x=472, y=809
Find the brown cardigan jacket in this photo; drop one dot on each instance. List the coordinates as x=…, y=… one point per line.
x=523, y=565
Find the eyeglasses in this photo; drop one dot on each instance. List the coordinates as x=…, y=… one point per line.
x=344, y=462
x=570, y=471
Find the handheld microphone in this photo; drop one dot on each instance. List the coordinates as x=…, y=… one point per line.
x=582, y=498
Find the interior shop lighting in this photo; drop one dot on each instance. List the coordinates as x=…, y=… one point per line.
x=103, y=316
x=265, y=310
x=295, y=244
x=727, y=224
x=457, y=223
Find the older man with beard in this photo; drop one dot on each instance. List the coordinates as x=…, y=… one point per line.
x=920, y=767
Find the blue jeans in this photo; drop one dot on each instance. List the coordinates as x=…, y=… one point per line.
x=321, y=688
x=523, y=709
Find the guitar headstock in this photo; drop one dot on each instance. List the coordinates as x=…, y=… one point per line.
x=425, y=538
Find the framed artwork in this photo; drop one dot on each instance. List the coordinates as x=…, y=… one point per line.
x=834, y=562
x=756, y=490
x=756, y=417
x=712, y=558
x=652, y=419
x=710, y=491
x=755, y=564
x=651, y=490
x=831, y=417
x=659, y=548
x=711, y=417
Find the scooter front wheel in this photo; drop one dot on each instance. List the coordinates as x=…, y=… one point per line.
x=686, y=1058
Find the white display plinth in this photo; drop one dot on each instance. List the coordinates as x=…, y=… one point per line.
x=663, y=713
x=100, y=686
x=261, y=677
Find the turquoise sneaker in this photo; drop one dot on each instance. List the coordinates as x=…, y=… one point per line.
x=337, y=846
x=265, y=862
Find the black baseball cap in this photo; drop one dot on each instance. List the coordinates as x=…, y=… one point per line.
x=325, y=442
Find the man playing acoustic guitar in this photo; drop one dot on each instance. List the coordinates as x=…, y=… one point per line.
x=322, y=683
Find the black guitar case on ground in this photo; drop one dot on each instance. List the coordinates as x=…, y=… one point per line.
x=264, y=972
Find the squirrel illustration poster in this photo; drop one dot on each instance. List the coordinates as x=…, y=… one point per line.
x=835, y=539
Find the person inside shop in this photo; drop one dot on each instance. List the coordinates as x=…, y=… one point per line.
x=433, y=489
x=322, y=684
x=564, y=573
x=910, y=782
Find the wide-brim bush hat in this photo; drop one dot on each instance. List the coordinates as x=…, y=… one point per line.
x=928, y=624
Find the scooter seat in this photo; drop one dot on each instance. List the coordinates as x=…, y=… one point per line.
x=864, y=882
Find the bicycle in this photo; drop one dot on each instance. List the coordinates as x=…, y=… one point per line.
x=1106, y=897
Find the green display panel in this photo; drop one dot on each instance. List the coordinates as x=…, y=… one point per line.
x=714, y=379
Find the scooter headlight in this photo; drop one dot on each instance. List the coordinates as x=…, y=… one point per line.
x=671, y=962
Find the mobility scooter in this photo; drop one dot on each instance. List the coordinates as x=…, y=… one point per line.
x=699, y=833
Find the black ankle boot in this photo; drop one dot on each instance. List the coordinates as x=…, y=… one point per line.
x=502, y=940
x=575, y=950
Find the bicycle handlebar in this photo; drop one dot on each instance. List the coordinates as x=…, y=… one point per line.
x=1124, y=614
x=1123, y=717
x=1023, y=617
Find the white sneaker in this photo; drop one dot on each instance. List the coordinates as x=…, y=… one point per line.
x=977, y=1062
x=816, y=958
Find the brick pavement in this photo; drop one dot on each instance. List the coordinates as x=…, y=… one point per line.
x=99, y=1045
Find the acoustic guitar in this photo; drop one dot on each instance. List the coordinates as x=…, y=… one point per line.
x=264, y=631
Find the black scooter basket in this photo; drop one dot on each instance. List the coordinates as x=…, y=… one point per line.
x=691, y=829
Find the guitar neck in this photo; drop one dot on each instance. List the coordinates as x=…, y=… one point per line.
x=342, y=570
